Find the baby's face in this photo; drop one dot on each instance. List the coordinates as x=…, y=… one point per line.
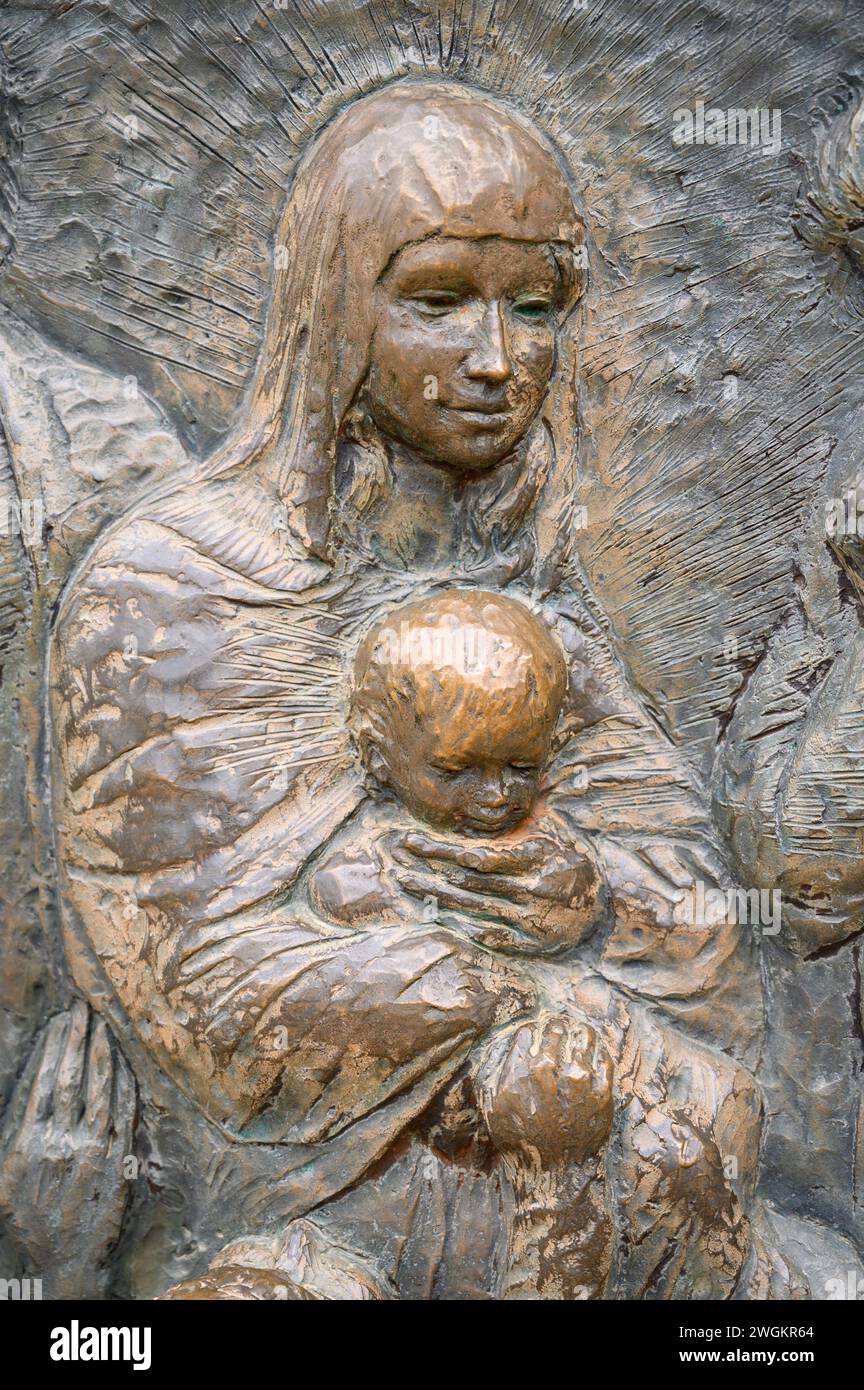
x=478, y=774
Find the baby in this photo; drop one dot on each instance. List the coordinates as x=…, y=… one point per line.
x=455, y=703
x=454, y=709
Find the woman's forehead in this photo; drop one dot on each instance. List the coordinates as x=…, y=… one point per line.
x=477, y=257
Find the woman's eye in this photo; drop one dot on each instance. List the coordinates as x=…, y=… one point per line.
x=524, y=768
x=436, y=302
x=535, y=310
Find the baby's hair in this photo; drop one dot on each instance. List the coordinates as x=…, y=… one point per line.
x=472, y=655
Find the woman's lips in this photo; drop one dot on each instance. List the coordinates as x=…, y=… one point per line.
x=486, y=418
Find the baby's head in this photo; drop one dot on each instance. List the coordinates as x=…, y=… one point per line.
x=455, y=702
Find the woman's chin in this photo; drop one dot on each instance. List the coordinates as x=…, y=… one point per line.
x=474, y=451
x=478, y=455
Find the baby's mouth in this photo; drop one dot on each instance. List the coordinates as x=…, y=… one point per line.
x=493, y=819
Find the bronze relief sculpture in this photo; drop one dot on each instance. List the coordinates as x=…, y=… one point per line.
x=415, y=413
x=376, y=867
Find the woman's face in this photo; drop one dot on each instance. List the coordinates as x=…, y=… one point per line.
x=464, y=346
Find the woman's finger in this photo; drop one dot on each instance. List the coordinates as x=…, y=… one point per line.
x=49, y=1051
x=123, y=1114
x=630, y=872
x=100, y=1069
x=23, y=1103
x=664, y=859
x=68, y=1089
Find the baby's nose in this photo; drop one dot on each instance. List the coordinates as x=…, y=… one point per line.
x=490, y=791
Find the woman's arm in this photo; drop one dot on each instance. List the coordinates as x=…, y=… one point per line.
x=310, y=1029
x=181, y=851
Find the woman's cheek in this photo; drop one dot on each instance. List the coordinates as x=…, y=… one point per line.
x=534, y=357
x=399, y=357
x=429, y=362
x=417, y=378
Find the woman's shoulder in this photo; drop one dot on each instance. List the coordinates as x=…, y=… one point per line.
x=209, y=541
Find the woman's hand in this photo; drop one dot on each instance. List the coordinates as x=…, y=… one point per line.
x=533, y=882
x=66, y=1133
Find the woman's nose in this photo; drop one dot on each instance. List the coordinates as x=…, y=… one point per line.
x=489, y=360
